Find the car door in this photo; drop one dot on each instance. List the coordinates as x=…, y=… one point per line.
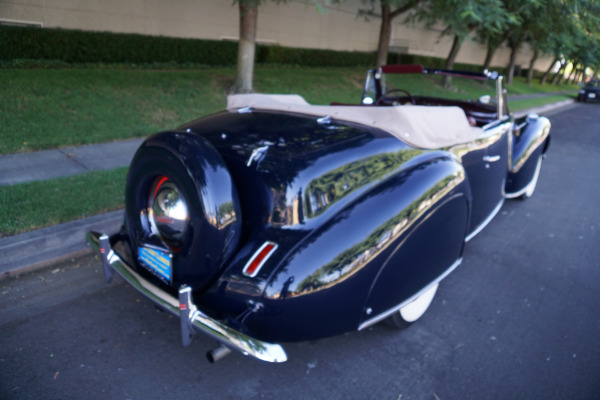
x=487, y=168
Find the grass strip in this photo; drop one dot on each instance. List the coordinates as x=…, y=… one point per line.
x=33, y=205
x=50, y=108
x=43, y=109
x=518, y=105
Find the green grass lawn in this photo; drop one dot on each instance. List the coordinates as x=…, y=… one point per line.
x=50, y=108
x=518, y=105
x=33, y=205
x=44, y=109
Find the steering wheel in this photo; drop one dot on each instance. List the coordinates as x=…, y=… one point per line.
x=385, y=98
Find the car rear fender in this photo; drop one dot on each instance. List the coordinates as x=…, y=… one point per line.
x=322, y=285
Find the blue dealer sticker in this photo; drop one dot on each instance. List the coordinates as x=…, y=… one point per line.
x=158, y=261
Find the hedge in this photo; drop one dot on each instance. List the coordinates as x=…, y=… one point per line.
x=40, y=46
x=73, y=46
x=314, y=57
x=79, y=47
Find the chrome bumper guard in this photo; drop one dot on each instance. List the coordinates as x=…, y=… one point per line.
x=192, y=319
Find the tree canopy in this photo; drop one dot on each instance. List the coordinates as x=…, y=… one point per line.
x=567, y=30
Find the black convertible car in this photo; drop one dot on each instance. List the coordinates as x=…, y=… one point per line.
x=278, y=221
x=590, y=91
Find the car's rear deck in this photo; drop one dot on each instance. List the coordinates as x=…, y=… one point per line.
x=426, y=127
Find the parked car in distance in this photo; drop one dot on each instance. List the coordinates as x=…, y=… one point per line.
x=278, y=221
x=590, y=91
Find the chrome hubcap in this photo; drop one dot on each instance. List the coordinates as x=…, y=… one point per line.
x=169, y=212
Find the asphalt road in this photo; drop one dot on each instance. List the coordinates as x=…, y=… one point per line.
x=519, y=319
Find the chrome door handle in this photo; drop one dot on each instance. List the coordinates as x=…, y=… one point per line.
x=491, y=158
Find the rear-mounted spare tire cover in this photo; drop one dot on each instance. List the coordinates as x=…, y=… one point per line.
x=193, y=167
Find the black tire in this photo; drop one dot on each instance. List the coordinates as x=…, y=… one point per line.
x=214, y=215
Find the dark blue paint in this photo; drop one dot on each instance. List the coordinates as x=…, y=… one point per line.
x=362, y=220
x=528, y=144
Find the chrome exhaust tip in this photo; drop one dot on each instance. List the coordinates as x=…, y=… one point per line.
x=217, y=354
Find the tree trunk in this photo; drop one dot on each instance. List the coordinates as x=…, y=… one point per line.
x=531, y=64
x=576, y=75
x=385, y=34
x=511, y=64
x=583, y=75
x=559, y=73
x=491, y=49
x=456, y=43
x=493, y=43
x=515, y=44
x=385, y=30
x=572, y=74
x=545, y=76
x=246, y=48
x=580, y=76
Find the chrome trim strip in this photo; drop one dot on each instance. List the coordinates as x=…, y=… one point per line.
x=198, y=321
x=324, y=120
x=385, y=314
x=500, y=94
x=486, y=222
x=491, y=159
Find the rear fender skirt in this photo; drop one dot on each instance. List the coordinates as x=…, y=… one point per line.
x=321, y=287
x=384, y=315
x=422, y=258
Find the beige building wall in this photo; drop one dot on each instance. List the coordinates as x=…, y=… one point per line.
x=416, y=39
x=296, y=23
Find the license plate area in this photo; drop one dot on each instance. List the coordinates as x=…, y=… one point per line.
x=591, y=95
x=158, y=261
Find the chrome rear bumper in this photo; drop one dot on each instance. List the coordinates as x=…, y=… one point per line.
x=192, y=319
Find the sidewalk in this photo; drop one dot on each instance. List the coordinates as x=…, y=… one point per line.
x=31, y=250
x=66, y=161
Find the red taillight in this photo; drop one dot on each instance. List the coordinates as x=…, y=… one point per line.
x=259, y=258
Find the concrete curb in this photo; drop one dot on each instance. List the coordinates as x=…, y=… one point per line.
x=37, y=249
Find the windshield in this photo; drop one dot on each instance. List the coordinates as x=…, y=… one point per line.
x=593, y=84
x=482, y=91
x=481, y=95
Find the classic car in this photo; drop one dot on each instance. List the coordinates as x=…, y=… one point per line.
x=590, y=91
x=277, y=221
